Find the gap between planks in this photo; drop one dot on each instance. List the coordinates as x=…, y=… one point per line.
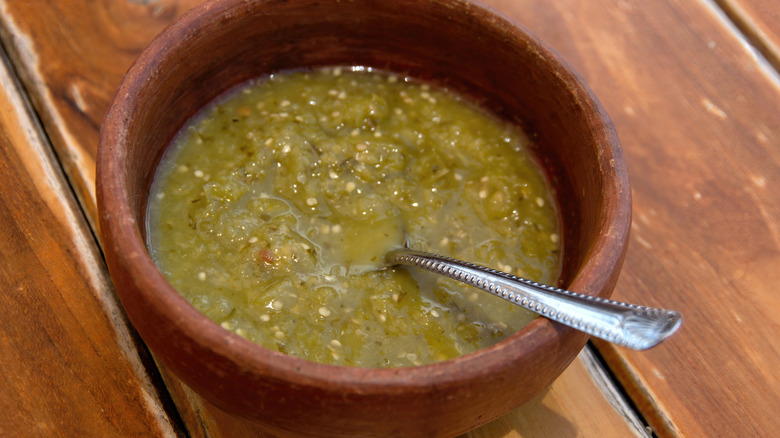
x=734, y=18
x=613, y=391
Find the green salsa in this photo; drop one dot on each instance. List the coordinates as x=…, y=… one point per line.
x=273, y=208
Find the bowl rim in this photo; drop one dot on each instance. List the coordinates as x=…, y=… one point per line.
x=117, y=224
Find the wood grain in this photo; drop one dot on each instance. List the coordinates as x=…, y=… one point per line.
x=697, y=115
x=71, y=55
x=70, y=362
x=758, y=21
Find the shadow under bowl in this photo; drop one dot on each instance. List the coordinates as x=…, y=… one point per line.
x=455, y=43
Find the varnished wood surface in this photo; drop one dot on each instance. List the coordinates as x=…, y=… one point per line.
x=697, y=114
x=71, y=56
x=70, y=364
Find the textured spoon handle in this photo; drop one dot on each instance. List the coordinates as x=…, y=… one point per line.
x=629, y=325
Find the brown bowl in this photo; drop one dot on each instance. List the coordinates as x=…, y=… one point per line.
x=454, y=42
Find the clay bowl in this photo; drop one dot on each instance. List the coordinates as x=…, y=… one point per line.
x=453, y=42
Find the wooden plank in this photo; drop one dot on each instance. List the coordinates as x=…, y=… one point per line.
x=698, y=117
x=69, y=359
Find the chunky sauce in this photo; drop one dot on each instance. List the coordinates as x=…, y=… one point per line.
x=272, y=210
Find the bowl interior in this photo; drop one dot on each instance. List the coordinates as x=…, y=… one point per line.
x=453, y=43
x=516, y=81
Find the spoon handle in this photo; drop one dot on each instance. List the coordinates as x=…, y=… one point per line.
x=629, y=325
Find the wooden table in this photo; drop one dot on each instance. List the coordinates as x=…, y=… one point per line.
x=693, y=88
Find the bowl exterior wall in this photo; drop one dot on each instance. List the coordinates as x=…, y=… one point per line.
x=455, y=43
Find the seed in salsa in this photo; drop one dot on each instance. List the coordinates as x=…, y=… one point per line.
x=272, y=210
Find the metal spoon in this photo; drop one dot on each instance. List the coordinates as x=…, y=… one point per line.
x=629, y=325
